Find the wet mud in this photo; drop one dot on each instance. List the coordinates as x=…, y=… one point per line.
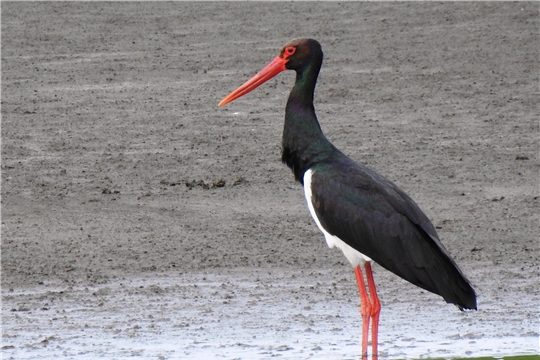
x=141, y=220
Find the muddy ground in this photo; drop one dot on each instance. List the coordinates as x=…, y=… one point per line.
x=141, y=220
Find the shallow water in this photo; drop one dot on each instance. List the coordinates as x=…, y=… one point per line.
x=261, y=313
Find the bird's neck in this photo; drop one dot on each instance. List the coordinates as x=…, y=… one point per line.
x=304, y=143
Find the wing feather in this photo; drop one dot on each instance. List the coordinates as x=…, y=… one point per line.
x=375, y=217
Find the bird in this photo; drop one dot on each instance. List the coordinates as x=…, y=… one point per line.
x=359, y=211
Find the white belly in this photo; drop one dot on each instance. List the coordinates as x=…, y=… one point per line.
x=355, y=257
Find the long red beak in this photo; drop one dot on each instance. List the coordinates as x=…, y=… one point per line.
x=275, y=67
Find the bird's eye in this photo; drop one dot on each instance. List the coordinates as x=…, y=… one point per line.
x=289, y=50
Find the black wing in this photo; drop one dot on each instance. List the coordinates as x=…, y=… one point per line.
x=375, y=217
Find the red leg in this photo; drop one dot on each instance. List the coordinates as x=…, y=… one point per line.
x=375, y=311
x=365, y=310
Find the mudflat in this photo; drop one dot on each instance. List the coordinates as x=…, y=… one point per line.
x=139, y=219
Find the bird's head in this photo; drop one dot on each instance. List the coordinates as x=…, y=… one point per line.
x=298, y=53
x=295, y=55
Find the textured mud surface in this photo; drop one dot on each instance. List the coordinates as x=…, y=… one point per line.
x=141, y=220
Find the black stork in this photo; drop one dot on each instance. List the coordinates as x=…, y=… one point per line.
x=361, y=212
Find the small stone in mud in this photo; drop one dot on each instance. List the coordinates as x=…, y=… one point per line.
x=219, y=183
x=169, y=183
x=283, y=348
x=108, y=191
x=239, y=181
x=201, y=183
x=181, y=325
x=21, y=309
